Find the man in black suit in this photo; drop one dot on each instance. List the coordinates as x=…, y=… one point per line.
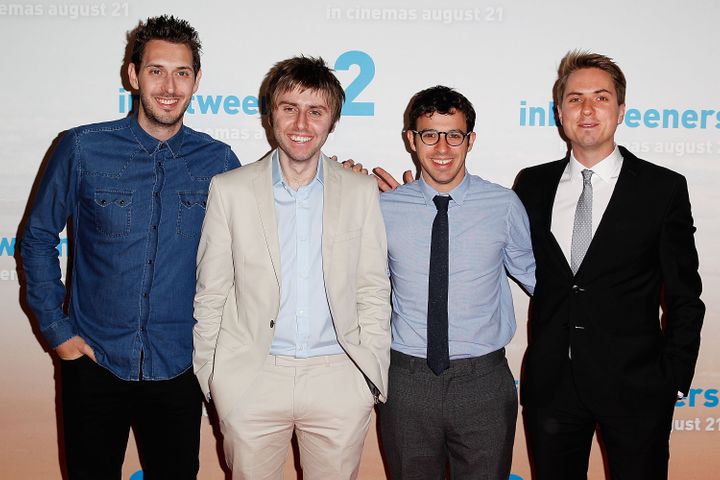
x=613, y=242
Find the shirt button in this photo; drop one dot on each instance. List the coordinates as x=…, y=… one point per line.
x=145, y=294
x=150, y=262
x=272, y=323
x=154, y=227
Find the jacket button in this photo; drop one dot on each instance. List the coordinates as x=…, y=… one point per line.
x=577, y=289
x=272, y=323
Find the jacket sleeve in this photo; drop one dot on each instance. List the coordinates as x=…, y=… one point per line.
x=373, y=287
x=214, y=279
x=54, y=203
x=683, y=309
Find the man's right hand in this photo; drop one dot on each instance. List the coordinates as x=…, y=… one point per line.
x=387, y=182
x=75, y=348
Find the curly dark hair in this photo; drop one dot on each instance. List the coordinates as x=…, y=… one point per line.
x=442, y=100
x=169, y=29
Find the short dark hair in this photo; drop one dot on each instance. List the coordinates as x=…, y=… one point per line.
x=305, y=73
x=169, y=29
x=579, y=59
x=442, y=100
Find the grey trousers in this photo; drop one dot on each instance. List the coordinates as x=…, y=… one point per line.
x=466, y=417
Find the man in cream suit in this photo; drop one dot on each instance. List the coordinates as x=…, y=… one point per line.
x=292, y=301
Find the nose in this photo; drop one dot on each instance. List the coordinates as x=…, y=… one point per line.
x=442, y=144
x=169, y=84
x=300, y=120
x=587, y=106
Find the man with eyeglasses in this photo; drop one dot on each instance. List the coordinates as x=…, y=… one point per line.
x=452, y=237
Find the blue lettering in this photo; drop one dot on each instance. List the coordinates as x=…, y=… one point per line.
x=668, y=115
x=711, y=398
x=704, y=116
x=551, y=114
x=537, y=116
x=62, y=247
x=632, y=117
x=694, y=392
x=250, y=105
x=231, y=105
x=689, y=118
x=209, y=102
x=523, y=112
x=356, y=87
x=651, y=118
x=537, y=113
x=7, y=246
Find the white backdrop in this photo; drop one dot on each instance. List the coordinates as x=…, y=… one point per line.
x=61, y=64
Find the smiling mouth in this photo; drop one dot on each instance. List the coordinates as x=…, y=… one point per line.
x=300, y=139
x=167, y=102
x=441, y=161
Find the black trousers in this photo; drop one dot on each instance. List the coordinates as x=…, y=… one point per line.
x=559, y=438
x=99, y=409
x=466, y=417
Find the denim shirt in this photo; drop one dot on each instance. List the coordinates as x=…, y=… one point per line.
x=137, y=206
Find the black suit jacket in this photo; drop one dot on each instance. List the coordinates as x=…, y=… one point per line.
x=624, y=360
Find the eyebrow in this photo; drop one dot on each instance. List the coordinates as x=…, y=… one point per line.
x=157, y=65
x=294, y=104
x=601, y=90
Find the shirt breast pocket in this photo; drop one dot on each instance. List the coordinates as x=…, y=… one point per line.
x=191, y=212
x=113, y=212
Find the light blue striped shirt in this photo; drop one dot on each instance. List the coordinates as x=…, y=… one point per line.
x=304, y=326
x=489, y=237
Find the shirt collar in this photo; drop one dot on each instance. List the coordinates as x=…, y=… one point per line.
x=606, y=169
x=152, y=144
x=457, y=194
x=278, y=178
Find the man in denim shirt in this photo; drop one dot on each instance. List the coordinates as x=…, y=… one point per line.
x=135, y=189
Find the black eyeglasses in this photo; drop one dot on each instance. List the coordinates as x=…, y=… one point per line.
x=454, y=138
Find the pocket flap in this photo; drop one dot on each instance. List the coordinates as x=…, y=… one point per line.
x=190, y=199
x=105, y=198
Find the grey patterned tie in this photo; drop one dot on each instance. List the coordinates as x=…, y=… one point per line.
x=582, y=228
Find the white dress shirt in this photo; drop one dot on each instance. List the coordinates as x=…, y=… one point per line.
x=604, y=178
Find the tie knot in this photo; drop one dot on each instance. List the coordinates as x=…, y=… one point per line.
x=441, y=202
x=587, y=174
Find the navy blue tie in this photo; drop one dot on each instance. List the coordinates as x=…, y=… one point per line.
x=438, y=355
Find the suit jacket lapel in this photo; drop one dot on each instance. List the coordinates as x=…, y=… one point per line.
x=604, y=241
x=550, y=186
x=262, y=185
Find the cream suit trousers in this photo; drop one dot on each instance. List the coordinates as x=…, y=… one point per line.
x=325, y=400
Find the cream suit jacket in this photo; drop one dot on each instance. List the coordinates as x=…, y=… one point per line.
x=238, y=278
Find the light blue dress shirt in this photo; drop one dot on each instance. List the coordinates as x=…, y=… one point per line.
x=489, y=237
x=304, y=327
